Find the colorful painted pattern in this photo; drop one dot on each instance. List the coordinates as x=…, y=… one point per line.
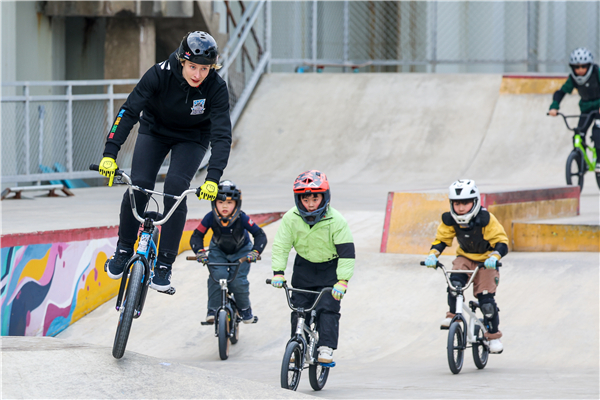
x=46, y=287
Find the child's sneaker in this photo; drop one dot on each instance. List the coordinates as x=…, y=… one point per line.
x=210, y=316
x=445, y=324
x=325, y=355
x=161, y=280
x=116, y=265
x=247, y=316
x=496, y=346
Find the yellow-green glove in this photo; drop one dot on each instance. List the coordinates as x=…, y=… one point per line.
x=339, y=289
x=208, y=191
x=107, y=167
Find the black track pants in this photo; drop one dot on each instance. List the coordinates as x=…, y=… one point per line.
x=148, y=156
x=595, y=130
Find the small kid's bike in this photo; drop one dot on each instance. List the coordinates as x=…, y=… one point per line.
x=227, y=317
x=139, y=269
x=580, y=161
x=298, y=353
x=461, y=333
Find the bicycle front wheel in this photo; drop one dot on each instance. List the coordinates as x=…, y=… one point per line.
x=223, y=321
x=456, y=347
x=480, y=351
x=575, y=168
x=317, y=375
x=291, y=367
x=130, y=300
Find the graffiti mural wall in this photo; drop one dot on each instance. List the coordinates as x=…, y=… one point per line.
x=45, y=287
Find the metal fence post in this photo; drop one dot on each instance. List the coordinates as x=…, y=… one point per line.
x=433, y=35
x=110, y=109
x=532, y=37
x=314, y=35
x=346, y=23
x=69, y=141
x=41, y=116
x=27, y=127
x=268, y=40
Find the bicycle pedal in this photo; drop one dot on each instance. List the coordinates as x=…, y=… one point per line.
x=444, y=328
x=206, y=323
x=255, y=320
x=170, y=291
x=328, y=365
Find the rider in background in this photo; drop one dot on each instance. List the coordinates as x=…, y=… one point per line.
x=481, y=238
x=185, y=106
x=325, y=256
x=585, y=78
x=230, y=242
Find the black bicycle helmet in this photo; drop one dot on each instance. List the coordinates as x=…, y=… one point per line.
x=228, y=191
x=198, y=47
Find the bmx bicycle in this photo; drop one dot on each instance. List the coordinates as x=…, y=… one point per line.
x=227, y=317
x=140, y=267
x=300, y=354
x=583, y=157
x=462, y=333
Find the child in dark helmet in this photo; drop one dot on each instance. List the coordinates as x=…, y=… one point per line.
x=585, y=78
x=481, y=238
x=230, y=242
x=182, y=105
x=325, y=255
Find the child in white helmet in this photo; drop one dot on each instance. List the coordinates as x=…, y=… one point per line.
x=585, y=78
x=481, y=238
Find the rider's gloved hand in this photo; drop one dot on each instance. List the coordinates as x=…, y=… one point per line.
x=107, y=167
x=252, y=256
x=431, y=261
x=490, y=263
x=208, y=191
x=202, y=256
x=339, y=289
x=278, y=281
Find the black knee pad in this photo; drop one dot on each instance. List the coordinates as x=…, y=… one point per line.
x=490, y=311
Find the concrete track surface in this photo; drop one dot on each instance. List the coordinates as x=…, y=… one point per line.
x=371, y=134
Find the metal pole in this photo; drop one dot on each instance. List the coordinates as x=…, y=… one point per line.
x=110, y=109
x=268, y=37
x=69, y=144
x=27, y=127
x=346, y=23
x=314, y=35
x=41, y=115
x=433, y=35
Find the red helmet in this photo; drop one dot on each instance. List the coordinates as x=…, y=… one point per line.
x=309, y=182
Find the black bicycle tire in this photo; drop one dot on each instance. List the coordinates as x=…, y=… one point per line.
x=455, y=362
x=133, y=291
x=223, y=334
x=480, y=352
x=235, y=334
x=598, y=179
x=576, y=157
x=296, y=366
x=317, y=375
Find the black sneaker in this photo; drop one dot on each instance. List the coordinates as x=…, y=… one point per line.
x=161, y=280
x=247, y=316
x=210, y=316
x=116, y=265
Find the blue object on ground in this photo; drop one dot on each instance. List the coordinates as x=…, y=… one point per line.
x=70, y=183
x=48, y=170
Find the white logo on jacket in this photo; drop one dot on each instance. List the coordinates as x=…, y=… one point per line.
x=198, y=107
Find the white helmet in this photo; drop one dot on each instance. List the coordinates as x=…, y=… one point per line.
x=464, y=189
x=581, y=56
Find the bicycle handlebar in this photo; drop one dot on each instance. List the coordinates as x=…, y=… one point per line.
x=236, y=264
x=576, y=129
x=289, y=300
x=125, y=179
x=461, y=271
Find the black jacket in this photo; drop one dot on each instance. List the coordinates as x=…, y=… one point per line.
x=172, y=108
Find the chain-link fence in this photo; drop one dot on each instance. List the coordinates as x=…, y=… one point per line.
x=428, y=36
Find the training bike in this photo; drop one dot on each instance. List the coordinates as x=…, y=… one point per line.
x=300, y=354
x=139, y=269
x=462, y=333
x=583, y=157
x=227, y=317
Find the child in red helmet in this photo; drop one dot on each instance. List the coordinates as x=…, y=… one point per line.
x=229, y=243
x=325, y=255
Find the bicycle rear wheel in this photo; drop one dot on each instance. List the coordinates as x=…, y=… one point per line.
x=130, y=301
x=456, y=347
x=575, y=168
x=223, y=321
x=480, y=351
x=291, y=367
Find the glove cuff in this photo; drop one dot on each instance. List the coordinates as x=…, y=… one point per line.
x=278, y=273
x=496, y=255
x=435, y=252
